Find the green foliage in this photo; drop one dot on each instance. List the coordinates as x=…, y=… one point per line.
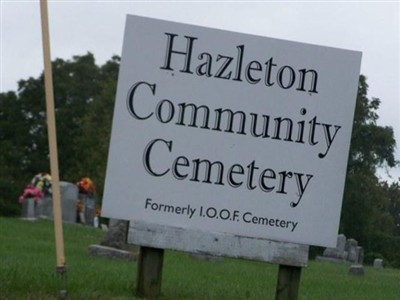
x=14, y=134
x=365, y=211
x=371, y=145
x=394, y=204
x=385, y=246
x=84, y=99
x=75, y=84
x=93, y=141
x=27, y=271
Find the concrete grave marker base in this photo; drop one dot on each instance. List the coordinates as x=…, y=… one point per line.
x=356, y=270
x=109, y=252
x=206, y=257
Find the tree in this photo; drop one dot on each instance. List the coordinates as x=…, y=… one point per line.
x=371, y=145
x=75, y=83
x=394, y=204
x=96, y=128
x=14, y=133
x=365, y=212
x=24, y=143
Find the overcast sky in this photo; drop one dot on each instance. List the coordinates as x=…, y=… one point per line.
x=77, y=27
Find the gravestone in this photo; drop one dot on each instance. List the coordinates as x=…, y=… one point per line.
x=89, y=204
x=113, y=243
x=339, y=251
x=378, y=263
x=29, y=209
x=44, y=208
x=356, y=270
x=360, y=255
x=116, y=234
x=347, y=250
x=69, y=196
x=351, y=248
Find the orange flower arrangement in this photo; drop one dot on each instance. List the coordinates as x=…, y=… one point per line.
x=86, y=186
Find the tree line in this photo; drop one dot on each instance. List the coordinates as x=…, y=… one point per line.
x=84, y=95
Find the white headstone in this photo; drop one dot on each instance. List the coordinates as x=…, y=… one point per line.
x=45, y=207
x=378, y=263
x=351, y=248
x=29, y=209
x=69, y=197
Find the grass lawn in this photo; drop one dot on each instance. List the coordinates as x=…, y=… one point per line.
x=27, y=271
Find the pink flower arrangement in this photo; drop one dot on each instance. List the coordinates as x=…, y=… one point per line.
x=31, y=192
x=39, y=187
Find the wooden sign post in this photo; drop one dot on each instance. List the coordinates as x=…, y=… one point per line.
x=230, y=144
x=154, y=238
x=288, y=284
x=149, y=276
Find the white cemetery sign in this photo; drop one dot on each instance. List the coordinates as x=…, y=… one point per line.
x=230, y=133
